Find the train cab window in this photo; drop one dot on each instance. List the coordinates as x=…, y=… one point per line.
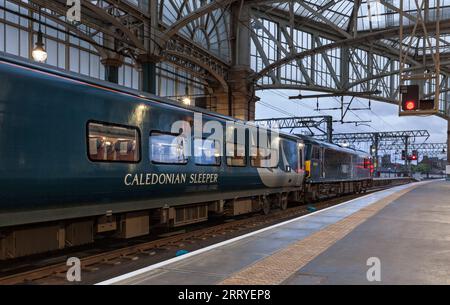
x=207, y=152
x=168, y=148
x=290, y=154
x=113, y=143
x=315, y=153
x=235, y=153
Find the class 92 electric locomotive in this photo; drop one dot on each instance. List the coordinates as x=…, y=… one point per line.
x=81, y=159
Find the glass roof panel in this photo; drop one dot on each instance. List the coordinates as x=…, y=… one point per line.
x=210, y=31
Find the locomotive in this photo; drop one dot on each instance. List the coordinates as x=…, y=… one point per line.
x=82, y=158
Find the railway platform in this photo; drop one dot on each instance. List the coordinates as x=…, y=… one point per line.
x=395, y=236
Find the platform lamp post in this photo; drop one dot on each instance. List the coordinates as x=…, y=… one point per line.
x=39, y=54
x=447, y=168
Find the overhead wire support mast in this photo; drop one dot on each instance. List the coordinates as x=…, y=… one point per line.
x=379, y=138
x=311, y=122
x=354, y=137
x=344, y=107
x=346, y=93
x=425, y=149
x=417, y=146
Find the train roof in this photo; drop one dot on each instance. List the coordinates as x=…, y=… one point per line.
x=333, y=146
x=20, y=62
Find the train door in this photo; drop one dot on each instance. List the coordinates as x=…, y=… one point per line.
x=353, y=160
x=322, y=162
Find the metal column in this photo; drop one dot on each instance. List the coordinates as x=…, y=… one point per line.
x=447, y=169
x=149, y=77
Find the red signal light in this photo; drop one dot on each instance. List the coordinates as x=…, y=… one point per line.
x=410, y=105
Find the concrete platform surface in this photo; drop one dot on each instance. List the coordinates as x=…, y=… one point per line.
x=406, y=228
x=410, y=237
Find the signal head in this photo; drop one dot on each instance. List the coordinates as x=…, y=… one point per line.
x=410, y=105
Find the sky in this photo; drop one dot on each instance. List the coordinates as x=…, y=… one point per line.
x=383, y=116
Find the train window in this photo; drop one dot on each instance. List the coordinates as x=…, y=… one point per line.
x=167, y=148
x=338, y=164
x=113, y=143
x=290, y=154
x=264, y=156
x=207, y=152
x=236, y=154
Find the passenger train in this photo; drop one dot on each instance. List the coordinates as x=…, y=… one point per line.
x=82, y=159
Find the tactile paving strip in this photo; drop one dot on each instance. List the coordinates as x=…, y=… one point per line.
x=281, y=265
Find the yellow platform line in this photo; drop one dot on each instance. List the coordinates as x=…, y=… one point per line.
x=282, y=264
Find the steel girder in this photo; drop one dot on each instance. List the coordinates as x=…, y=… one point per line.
x=323, y=124
x=367, y=60
x=130, y=27
x=362, y=137
x=424, y=149
x=348, y=59
x=442, y=147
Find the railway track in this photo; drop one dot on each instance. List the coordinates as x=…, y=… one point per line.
x=54, y=273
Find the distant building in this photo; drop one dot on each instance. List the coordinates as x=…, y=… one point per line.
x=436, y=164
x=386, y=161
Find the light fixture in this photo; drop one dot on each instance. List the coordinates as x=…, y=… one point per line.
x=186, y=100
x=39, y=54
